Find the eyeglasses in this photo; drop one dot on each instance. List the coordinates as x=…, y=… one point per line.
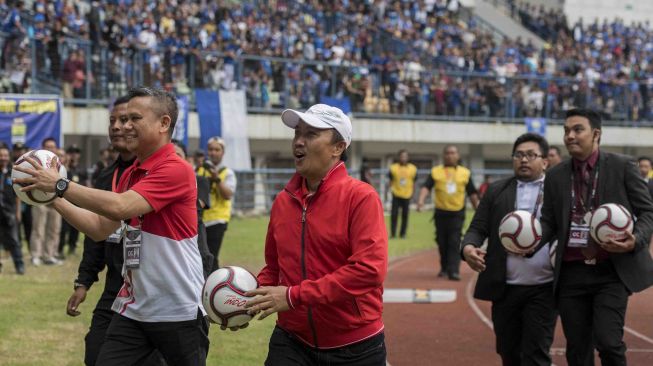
x=530, y=156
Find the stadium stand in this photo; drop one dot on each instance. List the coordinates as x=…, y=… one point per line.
x=426, y=58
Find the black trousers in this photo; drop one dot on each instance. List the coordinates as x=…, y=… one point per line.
x=592, y=302
x=286, y=350
x=448, y=231
x=68, y=235
x=130, y=342
x=404, y=205
x=10, y=241
x=524, y=322
x=95, y=338
x=214, y=236
x=205, y=253
x=26, y=223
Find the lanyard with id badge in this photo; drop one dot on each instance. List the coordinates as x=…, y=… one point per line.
x=116, y=236
x=451, y=182
x=579, y=232
x=133, y=240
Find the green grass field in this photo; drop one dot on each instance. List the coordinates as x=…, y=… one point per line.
x=35, y=330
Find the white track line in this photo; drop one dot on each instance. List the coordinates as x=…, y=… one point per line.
x=557, y=351
x=472, y=303
x=397, y=261
x=640, y=350
x=477, y=310
x=561, y=351
x=392, y=265
x=638, y=335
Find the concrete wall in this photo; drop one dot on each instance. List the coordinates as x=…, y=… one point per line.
x=588, y=10
x=548, y=4
x=373, y=138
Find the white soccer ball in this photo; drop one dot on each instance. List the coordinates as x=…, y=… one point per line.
x=47, y=159
x=610, y=221
x=223, y=295
x=520, y=232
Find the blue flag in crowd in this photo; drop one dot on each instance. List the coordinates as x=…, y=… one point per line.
x=536, y=125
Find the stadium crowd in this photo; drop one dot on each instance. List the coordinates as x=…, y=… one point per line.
x=385, y=56
x=546, y=23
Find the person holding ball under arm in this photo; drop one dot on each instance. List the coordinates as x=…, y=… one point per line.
x=592, y=281
x=520, y=289
x=326, y=253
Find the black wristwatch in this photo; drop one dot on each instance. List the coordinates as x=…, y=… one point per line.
x=61, y=186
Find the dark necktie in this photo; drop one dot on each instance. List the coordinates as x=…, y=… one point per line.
x=585, y=172
x=591, y=250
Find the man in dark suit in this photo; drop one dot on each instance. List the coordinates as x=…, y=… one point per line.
x=521, y=289
x=592, y=281
x=9, y=212
x=554, y=157
x=644, y=163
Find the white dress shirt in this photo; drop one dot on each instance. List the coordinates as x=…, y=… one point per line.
x=536, y=270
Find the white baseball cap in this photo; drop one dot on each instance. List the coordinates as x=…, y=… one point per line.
x=321, y=116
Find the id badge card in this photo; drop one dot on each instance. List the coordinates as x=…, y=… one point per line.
x=579, y=233
x=451, y=187
x=116, y=236
x=133, y=241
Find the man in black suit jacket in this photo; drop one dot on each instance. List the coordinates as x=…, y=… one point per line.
x=592, y=280
x=521, y=289
x=644, y=163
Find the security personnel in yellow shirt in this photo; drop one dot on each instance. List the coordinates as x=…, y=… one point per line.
x=451, y=183
x=402, y=177
x=223, y=186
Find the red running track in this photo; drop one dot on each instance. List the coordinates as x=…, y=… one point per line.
x=457, y=334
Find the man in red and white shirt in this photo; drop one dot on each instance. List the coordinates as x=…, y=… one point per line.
x=159, y=304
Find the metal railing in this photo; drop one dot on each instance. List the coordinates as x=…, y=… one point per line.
x=258, y=188
x=273, y=84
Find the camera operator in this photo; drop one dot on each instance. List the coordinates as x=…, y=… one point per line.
x=223, y=187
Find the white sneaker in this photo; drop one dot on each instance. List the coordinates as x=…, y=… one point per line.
x=36, y=261
x=53, y=261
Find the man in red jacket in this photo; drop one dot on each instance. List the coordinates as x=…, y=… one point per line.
x=326, y=253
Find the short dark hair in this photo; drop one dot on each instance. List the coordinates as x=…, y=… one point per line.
x=73, y=149
x=642, y=158
x=180, y=144
x=557, y=149
x=532, y=137
x=336, y=138
x=593, y=116
x=48, y=139
x=448, y=146
x=402, y=151
x=121, y=100
x=166, y=102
